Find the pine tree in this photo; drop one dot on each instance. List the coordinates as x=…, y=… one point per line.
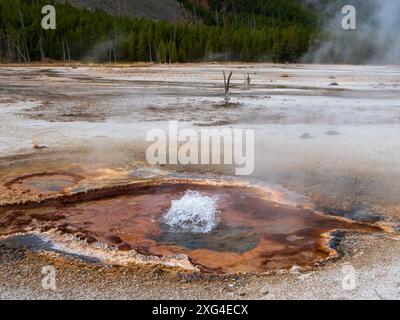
x=232, y=29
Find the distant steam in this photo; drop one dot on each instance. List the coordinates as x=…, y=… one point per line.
x=376, y=40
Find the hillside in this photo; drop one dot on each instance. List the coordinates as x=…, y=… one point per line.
x=170, y=10
x=251, y=13
x=210, y=12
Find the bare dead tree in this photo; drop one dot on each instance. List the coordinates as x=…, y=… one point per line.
x=115, y=44
x=42, y=54
x=157, y=53
x=14, y=43
x=19, y=51
x=247, y=82
x=110, y=51
x=105, y=52
x=25, y=49
x=227, y=85
x=63, y=48
x=195, y=15
x=110, y=48
x=68, y=51
x=150, y=52
x=1, y=52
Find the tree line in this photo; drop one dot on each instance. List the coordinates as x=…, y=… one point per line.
x=238, y=31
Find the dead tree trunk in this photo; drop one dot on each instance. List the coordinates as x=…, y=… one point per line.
x=27, y=51
x=19, y=51
x=105, y=52
x=157, y=53
x=150, y=52
x=247, y=82
x=42, y=54
x=63, y=49
x=227, y=85
x=110, y=50
x=68, y=52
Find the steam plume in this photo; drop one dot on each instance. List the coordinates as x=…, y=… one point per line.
x=376, y=40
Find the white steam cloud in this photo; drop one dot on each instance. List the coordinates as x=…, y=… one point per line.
x=375, y=41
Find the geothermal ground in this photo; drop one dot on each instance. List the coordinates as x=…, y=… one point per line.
x=321, y=207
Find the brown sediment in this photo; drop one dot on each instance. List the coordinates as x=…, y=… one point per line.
x=44, y=183
x=257, y=232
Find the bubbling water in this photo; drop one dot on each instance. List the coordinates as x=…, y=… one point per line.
x=193, y=213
